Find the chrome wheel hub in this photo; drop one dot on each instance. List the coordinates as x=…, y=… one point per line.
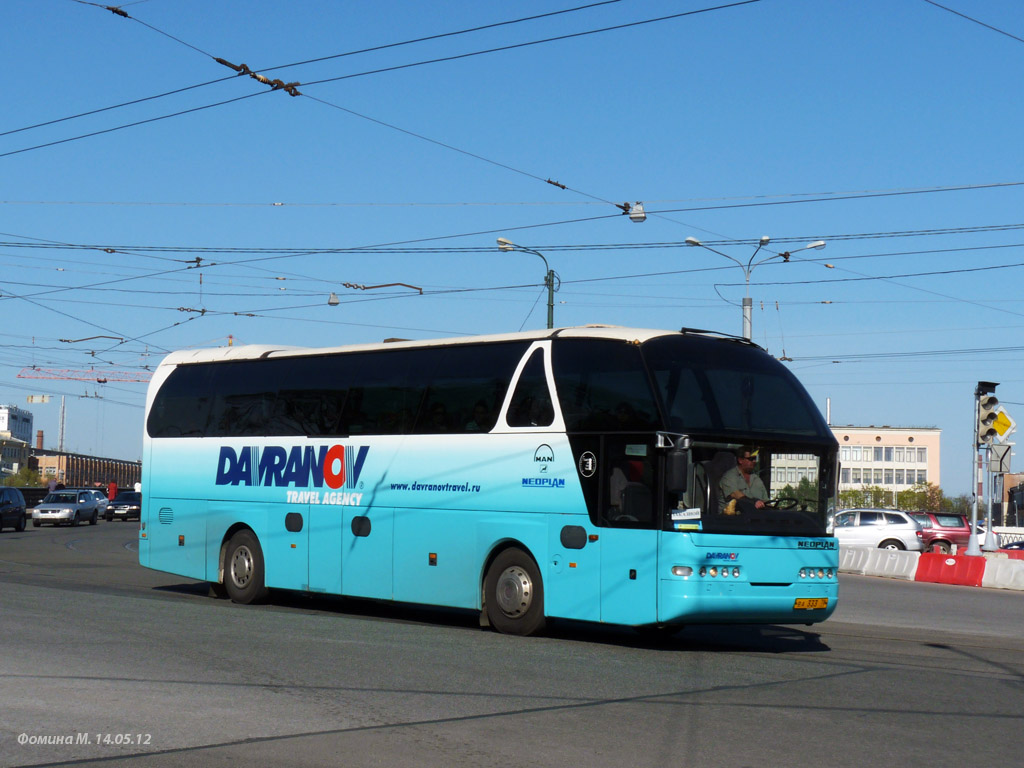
x=514, y=591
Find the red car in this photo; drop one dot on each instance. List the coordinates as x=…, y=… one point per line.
x=941, y=531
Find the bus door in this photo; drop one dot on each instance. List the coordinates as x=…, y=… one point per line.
x=286, y=545
x=367, y=551
x=325, y=523
x=618, y=474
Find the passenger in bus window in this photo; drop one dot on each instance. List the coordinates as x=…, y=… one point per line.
x=482, y=420
x=740, y=486
x=439, y=421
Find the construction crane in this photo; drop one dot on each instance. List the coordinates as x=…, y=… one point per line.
x=92, y=374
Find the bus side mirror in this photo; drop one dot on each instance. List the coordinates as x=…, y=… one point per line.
x=677, y=470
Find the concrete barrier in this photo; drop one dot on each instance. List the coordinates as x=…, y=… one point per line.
x=853, y=559
x=1004, y=573
x=893, y=563
x=951, y=569
x=998, y=570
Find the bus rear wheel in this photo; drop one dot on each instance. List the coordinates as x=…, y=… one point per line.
x=514, y=594
x=243, y=569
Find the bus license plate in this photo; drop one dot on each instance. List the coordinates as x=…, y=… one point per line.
x=810, y=603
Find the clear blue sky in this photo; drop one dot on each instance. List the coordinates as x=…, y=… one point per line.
x=798, y=119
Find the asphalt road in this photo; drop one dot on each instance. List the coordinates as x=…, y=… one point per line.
x=145, y=669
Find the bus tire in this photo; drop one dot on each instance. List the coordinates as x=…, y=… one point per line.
x=514, y=594
x=243, y=569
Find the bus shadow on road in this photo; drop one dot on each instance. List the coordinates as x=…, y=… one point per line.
x=751, y=638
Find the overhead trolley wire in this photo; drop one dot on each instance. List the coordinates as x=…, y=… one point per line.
x=976, y=21
x=283, y=66
x=514, y=46
x=292, y=88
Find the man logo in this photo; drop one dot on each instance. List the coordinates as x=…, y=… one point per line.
x=543, y=457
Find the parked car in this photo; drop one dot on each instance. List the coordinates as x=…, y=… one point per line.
x=982, y=535
x=127, y=505
x=1014, y=545
x=942, y=531
x=67, y=506
x=12, y=509
x=883, y=528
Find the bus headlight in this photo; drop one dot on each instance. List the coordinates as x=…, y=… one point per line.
x=817, y=573
x=682, y=570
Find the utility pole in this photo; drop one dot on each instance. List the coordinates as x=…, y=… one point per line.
x=60, y=429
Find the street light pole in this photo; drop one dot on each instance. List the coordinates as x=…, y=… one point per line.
x=749, y=267
x=549, y=274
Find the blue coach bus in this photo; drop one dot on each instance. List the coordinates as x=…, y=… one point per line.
x=569, y=473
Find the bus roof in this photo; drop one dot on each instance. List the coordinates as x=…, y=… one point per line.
x=257, y=351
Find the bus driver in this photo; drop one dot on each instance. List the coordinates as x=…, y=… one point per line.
x=740, y=486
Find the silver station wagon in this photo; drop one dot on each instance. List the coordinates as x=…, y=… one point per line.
x=67, y=508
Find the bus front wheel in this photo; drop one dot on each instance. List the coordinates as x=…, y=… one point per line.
x=514, y=594
x=243, y=569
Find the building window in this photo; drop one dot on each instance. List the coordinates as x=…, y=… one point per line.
x=856, y=476
x=899, y=477
x=899, y=455
x=888, y=477
x=856, y=453
x=844, y=476
x=844, y=453
x=878, y=477
x=888, y=454
x=922, y=476
x=878, y=453
x=922, y=455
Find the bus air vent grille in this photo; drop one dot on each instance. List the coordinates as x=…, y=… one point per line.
x=166, y=516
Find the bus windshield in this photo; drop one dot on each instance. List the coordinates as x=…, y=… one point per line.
x=795, y=484
x=729, y=389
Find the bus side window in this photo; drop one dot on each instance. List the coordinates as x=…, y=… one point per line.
x=531, y=404
x=630, y=502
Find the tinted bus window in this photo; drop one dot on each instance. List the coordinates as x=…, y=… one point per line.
x=468, y=388
x=182, y=406
x=387, y=390
x=705, y=385
x=602, y=386
x=531, y=404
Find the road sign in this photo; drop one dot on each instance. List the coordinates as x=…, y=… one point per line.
x=999, y=459
x=38, y=398
x=1004, y=425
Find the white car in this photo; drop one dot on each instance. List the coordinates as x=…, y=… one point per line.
x=982, y=535
x=882, y=528
x=69, y=507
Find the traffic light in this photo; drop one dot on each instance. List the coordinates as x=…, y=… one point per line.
x=987, y=414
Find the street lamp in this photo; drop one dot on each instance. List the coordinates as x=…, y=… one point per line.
x=549, y=274
x=749, y=267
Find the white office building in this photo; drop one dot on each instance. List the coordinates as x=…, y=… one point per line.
x=893, y=458
x=17, y=422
